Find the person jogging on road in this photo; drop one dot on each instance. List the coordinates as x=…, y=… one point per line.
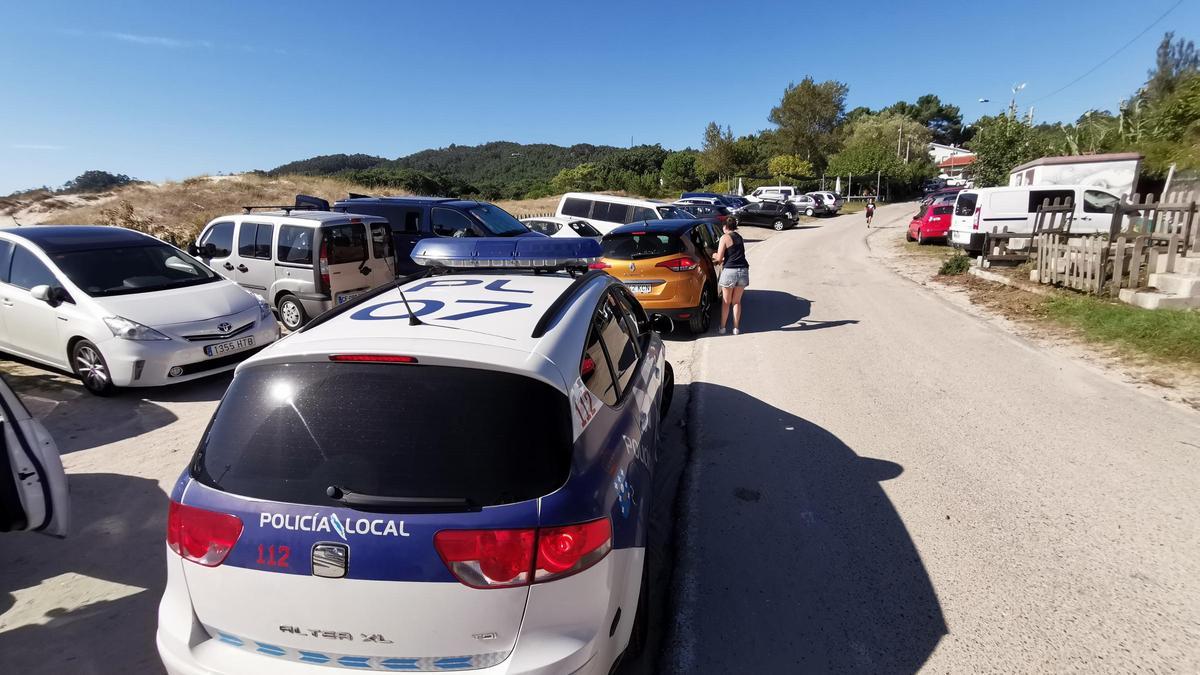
x=870, y=211
x=735, y=275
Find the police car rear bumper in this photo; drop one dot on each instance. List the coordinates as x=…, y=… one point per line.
x=566, y=628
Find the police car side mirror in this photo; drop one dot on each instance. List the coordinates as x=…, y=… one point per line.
x=661, y=323
x=193, y=250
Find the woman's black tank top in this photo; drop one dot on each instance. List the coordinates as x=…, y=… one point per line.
x=735, y=254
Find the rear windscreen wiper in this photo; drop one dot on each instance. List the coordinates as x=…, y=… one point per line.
x=361, y=500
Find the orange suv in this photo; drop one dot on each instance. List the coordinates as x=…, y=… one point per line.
x=667, y=265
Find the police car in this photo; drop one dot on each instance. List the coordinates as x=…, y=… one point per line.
x=452, y=472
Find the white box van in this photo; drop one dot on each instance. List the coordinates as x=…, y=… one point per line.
x=301, y=262
x=606, y=212
x=977, y=212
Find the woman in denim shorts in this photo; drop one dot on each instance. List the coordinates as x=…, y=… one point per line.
x=735, y=276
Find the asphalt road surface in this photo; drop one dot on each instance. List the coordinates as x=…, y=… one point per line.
x=881, y=482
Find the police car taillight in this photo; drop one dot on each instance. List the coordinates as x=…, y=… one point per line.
x=570, y=549
x=202, y=536
x=506, y=558
x=488, y=558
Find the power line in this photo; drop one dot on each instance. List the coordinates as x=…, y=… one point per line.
x=1111, y=56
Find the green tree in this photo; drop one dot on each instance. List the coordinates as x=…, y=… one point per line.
x=583, y=178
x=96, y=181
x=716, y=153
x=1001, y=143
x=943, y=120
x=679, y=170
x=793, y=166
x=1173, y=62
x=807, y=118
x=871, y=147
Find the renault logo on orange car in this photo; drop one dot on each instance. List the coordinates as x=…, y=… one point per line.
x=632, y=266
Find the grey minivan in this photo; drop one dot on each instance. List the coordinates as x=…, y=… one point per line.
x=301, y=262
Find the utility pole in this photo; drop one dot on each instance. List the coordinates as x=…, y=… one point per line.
x=899, y=138
x=876, y=183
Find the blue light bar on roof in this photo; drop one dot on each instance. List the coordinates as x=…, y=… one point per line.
x=509, y=252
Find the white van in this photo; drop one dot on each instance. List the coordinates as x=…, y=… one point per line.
x=606, y=212
x=775, y=193
x=301, y=262
x=979, y=211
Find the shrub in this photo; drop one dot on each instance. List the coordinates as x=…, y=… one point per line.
x=955, y=264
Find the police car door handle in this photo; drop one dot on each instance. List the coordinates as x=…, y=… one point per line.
x=229, y=266
x=243, y=268
x=351, y=498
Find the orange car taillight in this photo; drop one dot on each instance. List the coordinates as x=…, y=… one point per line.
x=681, y=264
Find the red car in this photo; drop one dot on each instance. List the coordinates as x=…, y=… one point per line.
x=932, y=221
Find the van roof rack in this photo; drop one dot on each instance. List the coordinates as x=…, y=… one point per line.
x=286, y=208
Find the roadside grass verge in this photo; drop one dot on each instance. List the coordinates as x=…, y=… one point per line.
x=1162, y=334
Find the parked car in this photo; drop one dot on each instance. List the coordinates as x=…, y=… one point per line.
x=773, y=192
x=950, y=192
x=606, y=212
x=978, y=211
x=715, y=212
x=34, y=494
x=415, y=218
x=932, y=221
x=559, y=226
x=302, y=262
x=122, y=309
x=813, y=205
x=833, y=201
x=371, y=494
x=668, y=266
x=777, y=214
x=728, y=201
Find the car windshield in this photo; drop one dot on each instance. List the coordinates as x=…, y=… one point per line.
x=131, y=269
x=497, y=221
x=288, y=432
x=671, y=212
x=640, y=245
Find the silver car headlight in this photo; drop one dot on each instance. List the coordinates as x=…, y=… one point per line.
x=264, y=309
x=131, y=330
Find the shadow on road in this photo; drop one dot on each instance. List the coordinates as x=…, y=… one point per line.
x=117, y=535
x=767, y=310
x=70, y=412
x=790, y=556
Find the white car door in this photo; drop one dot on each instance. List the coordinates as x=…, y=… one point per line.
x=33, y=485
x=31, y=324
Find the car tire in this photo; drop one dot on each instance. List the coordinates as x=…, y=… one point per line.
x=920, y=238
x=779, y=225
x=702, y=318
x=809, y=212
x=89, y=366
x=291, y=312
x=908, y=235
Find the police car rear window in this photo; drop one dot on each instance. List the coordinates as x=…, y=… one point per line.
x=288, y=432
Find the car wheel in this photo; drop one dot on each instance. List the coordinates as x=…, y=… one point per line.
x=808, y=212
x=703, y=317
x=91, y=368
x=920, y=238
x=291, y=312
x=908, y=235
x=779, y=225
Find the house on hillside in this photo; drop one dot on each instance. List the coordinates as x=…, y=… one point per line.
x=953, y=162
x=1115, y=172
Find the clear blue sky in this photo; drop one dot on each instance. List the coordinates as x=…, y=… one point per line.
x=166, y=90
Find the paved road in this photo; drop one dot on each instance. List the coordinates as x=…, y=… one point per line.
x=881, y=482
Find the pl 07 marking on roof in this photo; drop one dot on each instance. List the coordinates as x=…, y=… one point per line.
x=446, y=310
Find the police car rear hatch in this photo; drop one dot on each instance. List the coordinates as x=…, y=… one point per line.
x=371, y=514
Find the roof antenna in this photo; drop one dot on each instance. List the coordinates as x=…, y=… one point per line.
x=412, y=318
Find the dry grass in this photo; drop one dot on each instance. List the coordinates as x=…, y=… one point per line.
x=176, y=211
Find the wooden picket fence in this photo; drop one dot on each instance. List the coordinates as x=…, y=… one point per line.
x=1000, y=245
x=1146, y=235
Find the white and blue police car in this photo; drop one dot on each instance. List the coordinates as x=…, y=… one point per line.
x=450, y=473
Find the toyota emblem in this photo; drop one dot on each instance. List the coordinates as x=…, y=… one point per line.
x=224, y=326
